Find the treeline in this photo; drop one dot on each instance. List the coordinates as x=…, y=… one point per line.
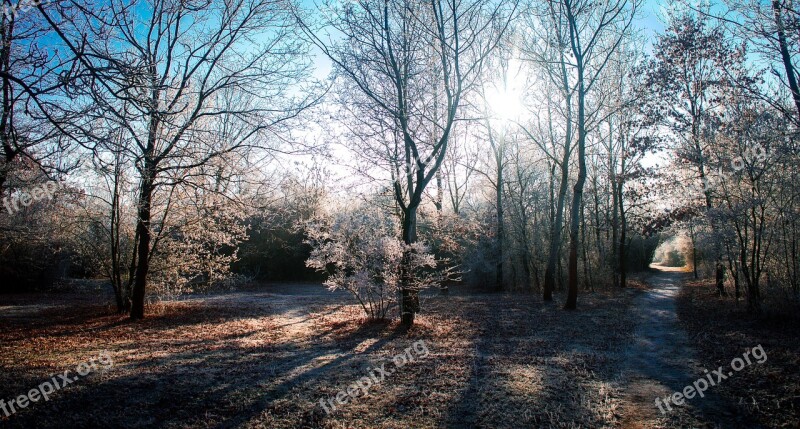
x=547, y=146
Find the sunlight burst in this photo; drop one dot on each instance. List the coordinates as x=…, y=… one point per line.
x=504, y=97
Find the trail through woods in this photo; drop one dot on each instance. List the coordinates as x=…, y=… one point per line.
x=661, y=361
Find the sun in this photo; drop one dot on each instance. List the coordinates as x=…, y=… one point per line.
x=504, y=105
x=504, y=96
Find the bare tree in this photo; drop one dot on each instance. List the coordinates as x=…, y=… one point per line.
x=547, y=46
x=403, y=58
x=160, y=70
x=458, y=168
x=499, y=133
x=771, y=30
x=31, y=74
x=579, y=39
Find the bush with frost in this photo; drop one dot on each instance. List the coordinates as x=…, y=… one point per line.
x=360, y=251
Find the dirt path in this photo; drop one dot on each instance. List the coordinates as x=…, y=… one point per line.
x=661, y=361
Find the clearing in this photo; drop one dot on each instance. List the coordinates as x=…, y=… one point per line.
x=269, y=358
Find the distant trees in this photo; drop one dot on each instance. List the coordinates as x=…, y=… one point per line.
x=499, y=132
x=687, y=78
x=276, y=248
x=594, y=36
x=733, y=136
x=625, y=141
x=547, y=46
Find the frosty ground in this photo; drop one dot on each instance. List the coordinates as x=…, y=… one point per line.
x=265, y=357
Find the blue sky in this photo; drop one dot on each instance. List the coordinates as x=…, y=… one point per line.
x=649, y=22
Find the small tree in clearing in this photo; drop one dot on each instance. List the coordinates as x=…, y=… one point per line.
x=361, y=252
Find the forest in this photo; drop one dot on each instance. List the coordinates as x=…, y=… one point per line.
x=400, y=213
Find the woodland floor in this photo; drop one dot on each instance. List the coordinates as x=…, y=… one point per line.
x=266, y=357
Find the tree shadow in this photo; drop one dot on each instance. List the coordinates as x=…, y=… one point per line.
x=231, y=384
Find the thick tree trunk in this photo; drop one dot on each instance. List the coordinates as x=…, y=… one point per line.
x=143, y=231
x=143, y=220
x=574, y=231
x=148, y=179
x=574, y=243
x=409, y=296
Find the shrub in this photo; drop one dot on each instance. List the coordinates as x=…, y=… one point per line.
x=360, y=251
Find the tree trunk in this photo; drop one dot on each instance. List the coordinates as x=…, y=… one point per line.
x=554, y=256
x=526, y=250
x=786, y=56
x=116, y=264
x=409, y=296
x=694, y=250
x=143, y=218
x=555, y=238
x=622, y=237
x=720, y=279
x=500, y=220
x=588, y=283
x=6, y=126
x=615, y=205
x=751, y=280
x=143, y=231
x=574, y=230
x=733, y=268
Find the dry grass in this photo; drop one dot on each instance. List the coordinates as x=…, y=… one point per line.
x=265, y=360
x=768, y=393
